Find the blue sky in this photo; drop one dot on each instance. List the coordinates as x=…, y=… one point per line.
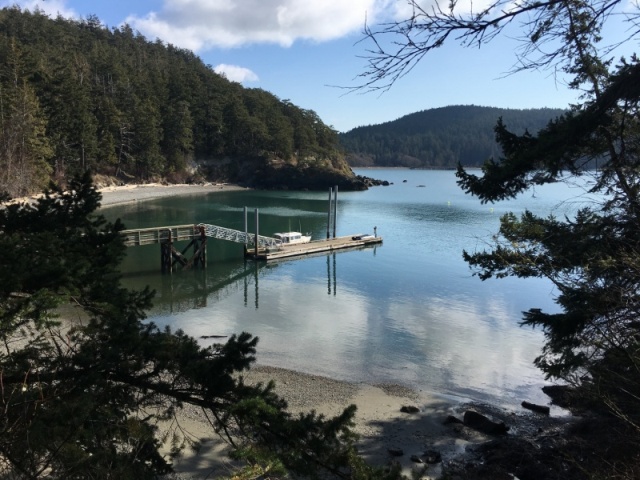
x=301, y=50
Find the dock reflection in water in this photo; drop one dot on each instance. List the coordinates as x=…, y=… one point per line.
x=199, y=289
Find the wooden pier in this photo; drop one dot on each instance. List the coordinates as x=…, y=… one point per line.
x=149, y=236
x=170, y=257
x=257, y=247
x=316, y=246
x=196, y=235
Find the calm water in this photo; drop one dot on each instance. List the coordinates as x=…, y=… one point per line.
x=408, y=311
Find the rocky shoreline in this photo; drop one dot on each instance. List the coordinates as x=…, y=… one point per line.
x=425, y=434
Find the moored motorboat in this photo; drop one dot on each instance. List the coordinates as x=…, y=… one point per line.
x=291, y=238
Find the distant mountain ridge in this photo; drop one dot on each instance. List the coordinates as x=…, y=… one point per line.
x=439, y=137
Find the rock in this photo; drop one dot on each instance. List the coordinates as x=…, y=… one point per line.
x=409, y=409
x=432, y=456
x=479, y=422
x=416, y=459
x=536, y=408
x=451, y=419
x=395, y=452
x=562, y=395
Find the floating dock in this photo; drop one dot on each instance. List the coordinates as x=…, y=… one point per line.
x=315, y=246
x=257, y=247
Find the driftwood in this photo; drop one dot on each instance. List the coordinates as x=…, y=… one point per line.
x=536, y=408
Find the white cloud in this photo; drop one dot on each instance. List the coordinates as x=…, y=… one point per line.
x=203, y=24
x=52, y=8
x=236, y=73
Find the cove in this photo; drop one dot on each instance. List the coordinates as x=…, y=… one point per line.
x=408, y=311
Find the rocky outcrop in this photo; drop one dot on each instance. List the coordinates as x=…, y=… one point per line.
x=481, y=423
x=294, y=174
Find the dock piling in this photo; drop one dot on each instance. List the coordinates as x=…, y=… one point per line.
x=246, y=227
x=335, y=210
x=329, y=214
x=257, y=234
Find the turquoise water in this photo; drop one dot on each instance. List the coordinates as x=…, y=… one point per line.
x=408, y=311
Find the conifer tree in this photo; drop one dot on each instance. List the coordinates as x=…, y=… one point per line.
x=24, y=146
x=96, y=85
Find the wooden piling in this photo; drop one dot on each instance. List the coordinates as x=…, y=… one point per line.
x=257, y=233
x=335, y=209
x=166, y=261
x=170, y=256
x=329, y=214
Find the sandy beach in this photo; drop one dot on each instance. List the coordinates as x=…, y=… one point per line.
x=118, y=195
x=138, y=193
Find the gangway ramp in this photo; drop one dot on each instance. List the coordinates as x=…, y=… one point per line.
x=223, y=233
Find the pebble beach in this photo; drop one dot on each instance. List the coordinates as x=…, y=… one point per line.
x=380, y=424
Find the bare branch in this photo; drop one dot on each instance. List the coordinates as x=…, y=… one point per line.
x=550, y=32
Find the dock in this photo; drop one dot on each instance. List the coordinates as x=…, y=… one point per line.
x=196, y=235
x=256, y=247
x=315, y=246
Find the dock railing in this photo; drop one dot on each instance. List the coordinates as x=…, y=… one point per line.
x=176, y=233
x=223, y=233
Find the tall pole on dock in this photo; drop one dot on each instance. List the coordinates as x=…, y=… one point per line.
x=256, y=240
x=335, y=210
x=329, y=216
x=246, y=229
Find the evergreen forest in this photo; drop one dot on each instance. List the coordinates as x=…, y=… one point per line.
x=440, y=137
x=76, y=96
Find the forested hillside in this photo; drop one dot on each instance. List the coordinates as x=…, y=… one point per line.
x=76, y=96
x=441, y=137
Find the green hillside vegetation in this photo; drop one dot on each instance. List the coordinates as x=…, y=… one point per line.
x=76, y=96
x=440, y=137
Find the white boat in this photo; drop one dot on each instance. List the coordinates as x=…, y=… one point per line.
x=291, y=238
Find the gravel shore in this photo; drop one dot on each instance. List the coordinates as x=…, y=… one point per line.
x=379, y=422
x=137, y=193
